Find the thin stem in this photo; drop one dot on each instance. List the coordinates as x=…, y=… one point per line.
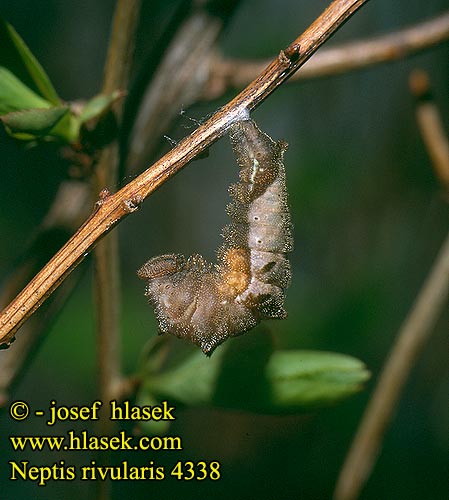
x=107, y=303
x=107, y=274
x=106, y=254
x=410, y=340
x=431, y=126
x=111, y=209
x=121, y=46
x=226, y=73
x=417, y=327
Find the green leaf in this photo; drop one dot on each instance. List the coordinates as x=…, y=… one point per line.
x=311, y=379
x=17, y=58
x=98, y=105
x=36, y=123
x=246, y=374
x=14, y=95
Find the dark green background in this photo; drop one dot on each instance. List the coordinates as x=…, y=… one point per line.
x=369, y=218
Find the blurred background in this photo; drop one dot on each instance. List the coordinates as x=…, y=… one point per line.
x=369, y=218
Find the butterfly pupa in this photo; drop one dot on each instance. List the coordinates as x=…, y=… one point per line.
x=208, y=303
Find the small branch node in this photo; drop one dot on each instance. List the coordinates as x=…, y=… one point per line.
x=131, y=205
x=102, y=197
x=292, y=52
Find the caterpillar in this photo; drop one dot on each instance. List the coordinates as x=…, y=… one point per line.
x=207, y=303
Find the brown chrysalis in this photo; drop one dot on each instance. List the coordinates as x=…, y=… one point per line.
x=208, y=303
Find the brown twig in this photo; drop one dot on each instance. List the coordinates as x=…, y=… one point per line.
x=68, y=210
x=226, y=73
x=410, y=340
x=107, y=274
x=106, y=254
x=416, y=328
x=121, y=46
x=110, y=209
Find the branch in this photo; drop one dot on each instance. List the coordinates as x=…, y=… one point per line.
x=225, y=73
x=107, y=293
x=415, y=330
x=431, y=127
x=110, y=209
x=66, y=212
x=121, y=46
x=106, y=255
x=107, y=271
x=411, y=337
